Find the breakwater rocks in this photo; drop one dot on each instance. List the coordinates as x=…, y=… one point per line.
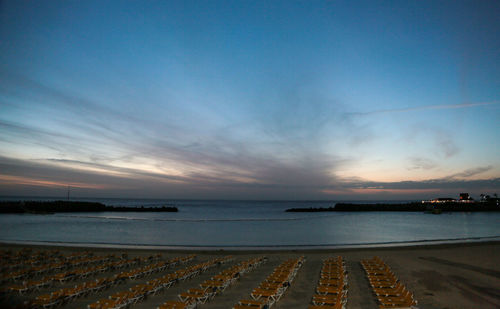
x=413, y=206
x=47, y=207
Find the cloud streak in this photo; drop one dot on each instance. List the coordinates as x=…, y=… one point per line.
x=471, y=172
x=280, y=103
x=187, y=163
x=419, y=163
x=424, y=108
x=273, y=180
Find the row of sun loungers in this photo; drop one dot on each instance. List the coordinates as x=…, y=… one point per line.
x=273, y=287
x=26, y=258
x=212, y=287
x=141, y=291
x=388, y=289
x=29, y=271
x=156, y=267
x=36, y=266
x=28, y=286
x=331, y=292
x=26, y=253
x=79, y=273
x=66, y=295
x=146, y=270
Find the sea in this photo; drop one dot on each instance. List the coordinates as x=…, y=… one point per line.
x=211, y=224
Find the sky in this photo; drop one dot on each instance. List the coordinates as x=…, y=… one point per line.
x=289, y=100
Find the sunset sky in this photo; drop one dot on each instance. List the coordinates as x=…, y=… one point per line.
x=250, y=99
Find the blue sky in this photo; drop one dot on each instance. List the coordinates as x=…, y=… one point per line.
x=250, y=99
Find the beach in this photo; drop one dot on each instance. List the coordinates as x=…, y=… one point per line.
x=459, y=275
x=249, y=154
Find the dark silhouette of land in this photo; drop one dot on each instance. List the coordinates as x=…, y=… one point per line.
x=414, y=206
x=48, y=207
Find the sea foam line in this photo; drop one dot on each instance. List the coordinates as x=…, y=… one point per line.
x=196, y=220
x=396, y=244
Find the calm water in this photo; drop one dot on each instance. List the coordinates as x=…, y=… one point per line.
x=234, y=223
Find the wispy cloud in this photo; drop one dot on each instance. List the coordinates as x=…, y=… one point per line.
x=471, y=172
x=20, y=181
x=105, y=149
x=223, y=176
x=267, y=180
x=454, y=182
x=424, y=108
x=179, y=104
x=445, y=143
x=416, y=190
x=420, y=163
x=437, y=141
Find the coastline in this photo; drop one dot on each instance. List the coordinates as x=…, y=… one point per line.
x=321, y=247
x=459, y=270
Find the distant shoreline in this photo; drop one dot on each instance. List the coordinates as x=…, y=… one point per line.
x=59, y=206
x=50, y=207
x=413, y=206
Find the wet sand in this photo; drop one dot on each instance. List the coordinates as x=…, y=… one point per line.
x=440, y=276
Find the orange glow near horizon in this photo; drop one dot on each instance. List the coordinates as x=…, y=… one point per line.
x=396, y=191
x=379, y=190
x=128, y=172
x=19, y=180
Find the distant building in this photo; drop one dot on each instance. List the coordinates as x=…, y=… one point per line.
x=465, y=198
x=441, y=200
x=485, y=198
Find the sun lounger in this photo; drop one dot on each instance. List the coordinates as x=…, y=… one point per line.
x=274, y=286
x=331, y=291
x=390, y=292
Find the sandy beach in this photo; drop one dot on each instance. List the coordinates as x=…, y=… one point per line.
x=440, y=276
